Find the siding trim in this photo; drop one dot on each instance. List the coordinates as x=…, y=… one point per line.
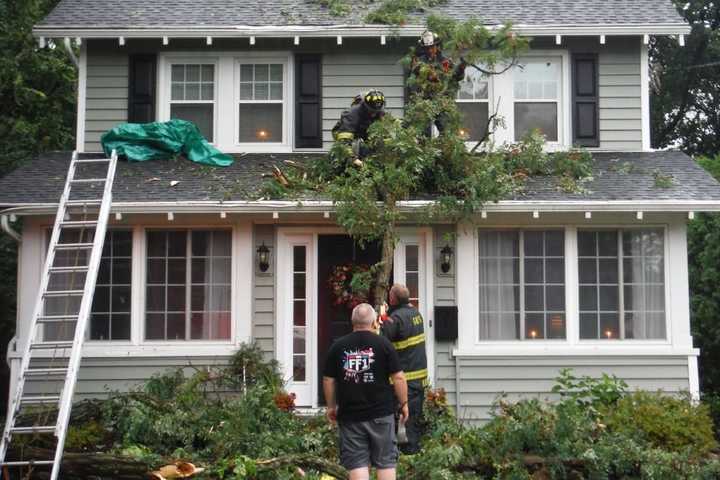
x=645, y=97
x=82, y=100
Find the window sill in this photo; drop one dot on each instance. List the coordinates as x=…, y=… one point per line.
x=626, y=348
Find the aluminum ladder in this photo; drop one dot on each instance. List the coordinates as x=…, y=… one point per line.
x=84, y=220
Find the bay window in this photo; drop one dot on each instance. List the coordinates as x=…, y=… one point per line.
x=261, y=103
x=188, y=292
x=521, y=284
x=473, y=103
x=192, y=95
x=621, y=284
x=537, y=93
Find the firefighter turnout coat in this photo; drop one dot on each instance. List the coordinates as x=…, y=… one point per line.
x=404, y=327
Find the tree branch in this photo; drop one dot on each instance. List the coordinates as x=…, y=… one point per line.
x=488, y=132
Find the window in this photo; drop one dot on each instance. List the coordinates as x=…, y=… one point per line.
x=299, y=313
x=473, y=103
x=622, y=284
x=192, y=95
x=110, y=319
x=188, y=285
x=412, y=273
x=536, y=87
x=261, y=103
x=110, y=314
x=521, y=284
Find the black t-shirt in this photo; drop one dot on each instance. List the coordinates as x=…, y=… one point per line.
x=361, y=364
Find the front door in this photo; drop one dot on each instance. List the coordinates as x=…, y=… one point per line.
x=309, y=316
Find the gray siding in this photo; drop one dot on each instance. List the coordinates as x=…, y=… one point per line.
x=620, y=99
x=481, y=379
x=347, y=74
x=263, y=322
x=107, y=92
x=99, y=376
x=352, y=67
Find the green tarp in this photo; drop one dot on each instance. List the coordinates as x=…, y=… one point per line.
x=139, y=142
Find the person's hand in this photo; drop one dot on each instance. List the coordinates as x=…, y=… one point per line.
x=331, y=414
x=404, y=413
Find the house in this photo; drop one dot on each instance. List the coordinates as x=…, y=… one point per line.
x=595, y=281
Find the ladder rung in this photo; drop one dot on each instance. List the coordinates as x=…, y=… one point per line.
x=64, y=293
x=80, y=268
x=82, y=203
x=42, y=400
x=33, y=429
x=93, y=160
x=45, y=371
x=78, y=224
x=56, y=318
x=27, y=463
x=50, y=345
x=73, y=246
x=87, y=180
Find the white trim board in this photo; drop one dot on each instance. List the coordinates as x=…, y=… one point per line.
x=320, y=206
x=82, y=100
x=290, y=31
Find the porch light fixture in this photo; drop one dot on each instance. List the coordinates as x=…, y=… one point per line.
x=446, y=256
x=263, y=254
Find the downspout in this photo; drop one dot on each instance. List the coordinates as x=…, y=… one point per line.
x=71, y=54
x=5, y=225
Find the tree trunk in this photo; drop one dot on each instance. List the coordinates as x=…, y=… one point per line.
x=382, y=276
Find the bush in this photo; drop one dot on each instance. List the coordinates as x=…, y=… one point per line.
x=664, y=422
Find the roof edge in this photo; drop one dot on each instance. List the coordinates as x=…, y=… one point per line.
x=321, y=206
x=288, y=31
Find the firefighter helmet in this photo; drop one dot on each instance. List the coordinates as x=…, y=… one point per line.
x=429, y=39
x=374, y=100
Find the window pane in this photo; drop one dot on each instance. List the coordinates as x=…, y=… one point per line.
x=276, y=91
x=261, y=73
x=192, y=73
x=176, y=326
x=111, y=301
x=533, y=243
x=534, y=326
x=588, y=326
x=261, y=122
x=200, y=114
x=262, y=91
x=207, y=91
x=276, y=73
x=120, y=327
x=588, y=298
x=609, y=326
x=155, y=326
x=246, y=73
x=208, y=73
x=536, y=116
x=608, y=270
x=537, y=80
x=555, y=270
x=555, y=325
x=177, y=91
x=246, y=91
x=475, y=119
x=534, y=270
x=192, y=91
x=178, y=73
x=586, y=244
x=587, y=270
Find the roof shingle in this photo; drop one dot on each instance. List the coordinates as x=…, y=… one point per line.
x=616, y=177
x=229, y=13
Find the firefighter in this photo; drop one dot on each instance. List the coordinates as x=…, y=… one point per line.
x=404, y=327
x=432, y=74
x=352, y=128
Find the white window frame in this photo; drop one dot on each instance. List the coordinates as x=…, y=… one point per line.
x=503, y=96
x=165, y=86
x=467, y=297
x=188, y=286
x=666, y=287
x=227, y=96
x=285, y=134
x=489, y=100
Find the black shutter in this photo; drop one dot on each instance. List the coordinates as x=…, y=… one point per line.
x=308, y=96
x=141, y=89
x=586, y=105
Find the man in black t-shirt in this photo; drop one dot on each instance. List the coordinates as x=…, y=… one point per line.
x=360, y=397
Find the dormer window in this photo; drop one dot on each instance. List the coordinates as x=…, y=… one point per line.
x=261, y=110
x=536, y=93
x=192, y=95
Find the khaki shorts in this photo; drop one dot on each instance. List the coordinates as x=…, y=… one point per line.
x=372, y=442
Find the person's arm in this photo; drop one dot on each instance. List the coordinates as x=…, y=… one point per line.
x=401, y=392
x=329, y=390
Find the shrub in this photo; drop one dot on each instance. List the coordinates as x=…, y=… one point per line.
x=594, y=393
x=664, y=422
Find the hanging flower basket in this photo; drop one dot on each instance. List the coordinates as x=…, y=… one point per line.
x=349, y=285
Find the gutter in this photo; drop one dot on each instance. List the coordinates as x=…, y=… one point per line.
x=322, y=206
x=5, y=225
x=362, y=30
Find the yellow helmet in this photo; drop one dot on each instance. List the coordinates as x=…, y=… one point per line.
x=374, y=100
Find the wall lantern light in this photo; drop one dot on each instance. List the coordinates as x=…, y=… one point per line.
x=263, y=254
x=446, y=256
